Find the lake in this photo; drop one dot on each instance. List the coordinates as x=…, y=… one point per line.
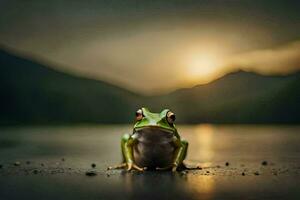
x=53, y=162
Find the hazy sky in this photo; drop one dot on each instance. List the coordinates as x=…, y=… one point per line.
x=151, y=46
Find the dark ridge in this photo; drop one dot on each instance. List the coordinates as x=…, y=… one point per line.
x=32, y=93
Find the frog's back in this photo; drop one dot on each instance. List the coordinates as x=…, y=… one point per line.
x=154, y=148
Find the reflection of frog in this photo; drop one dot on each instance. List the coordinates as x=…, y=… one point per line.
x=154, y=143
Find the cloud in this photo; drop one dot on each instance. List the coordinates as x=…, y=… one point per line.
x=281, y=60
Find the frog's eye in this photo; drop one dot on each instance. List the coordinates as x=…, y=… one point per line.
x=171, y=117
x=139, y=115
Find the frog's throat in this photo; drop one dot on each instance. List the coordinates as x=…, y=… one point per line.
x=169, y=130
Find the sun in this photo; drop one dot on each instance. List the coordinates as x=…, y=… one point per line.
x=201, y=67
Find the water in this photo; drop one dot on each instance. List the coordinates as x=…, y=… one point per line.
x=244, y=147
x=207, y=143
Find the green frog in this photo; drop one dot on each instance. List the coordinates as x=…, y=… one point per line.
x=154, y=143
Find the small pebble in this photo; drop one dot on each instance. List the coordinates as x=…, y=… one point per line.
x=90, y=173
x=27, y=162
x=227, y=163
x=35, y=171
x=63, y=159
x=93, y=165
x=17, y=163
x=243, y=174
x=208, y=172
x=264, y=163
x=42, y=164
x=256, y=173
x=1, y=166
x=275, y=173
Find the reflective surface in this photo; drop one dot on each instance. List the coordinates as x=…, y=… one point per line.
x=61, y=155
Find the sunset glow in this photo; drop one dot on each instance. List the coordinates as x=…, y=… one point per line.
x=126, y=45
x=201, y=67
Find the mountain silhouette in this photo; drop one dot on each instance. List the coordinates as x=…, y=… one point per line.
x=32, y=93
x=240, y=97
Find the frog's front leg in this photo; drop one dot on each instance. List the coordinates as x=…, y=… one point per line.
x=181, y=147
x=127, y=143
x=180, y=153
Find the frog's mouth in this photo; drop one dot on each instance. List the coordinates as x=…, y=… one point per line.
x=154, y=129
x=154, y=134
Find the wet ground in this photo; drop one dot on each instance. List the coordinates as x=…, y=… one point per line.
x=237, y=162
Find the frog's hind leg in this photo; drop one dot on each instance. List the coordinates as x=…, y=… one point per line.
x=123, y=165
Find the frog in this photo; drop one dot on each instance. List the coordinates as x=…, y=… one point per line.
x=154, y=143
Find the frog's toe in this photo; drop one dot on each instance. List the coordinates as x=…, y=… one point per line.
x=174, y=169
x=132, y=166
x=120, y=166
x=138, y=168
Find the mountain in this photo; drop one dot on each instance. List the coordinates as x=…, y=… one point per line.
x=31, y=93
x=239, y=97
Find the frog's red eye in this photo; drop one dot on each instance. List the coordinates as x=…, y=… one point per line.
x=171, y=117
x=139, y=115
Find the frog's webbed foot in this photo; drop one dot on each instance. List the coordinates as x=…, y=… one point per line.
x=127, y=166
x=120, y=166
x=182, y=166
x=132, y=166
